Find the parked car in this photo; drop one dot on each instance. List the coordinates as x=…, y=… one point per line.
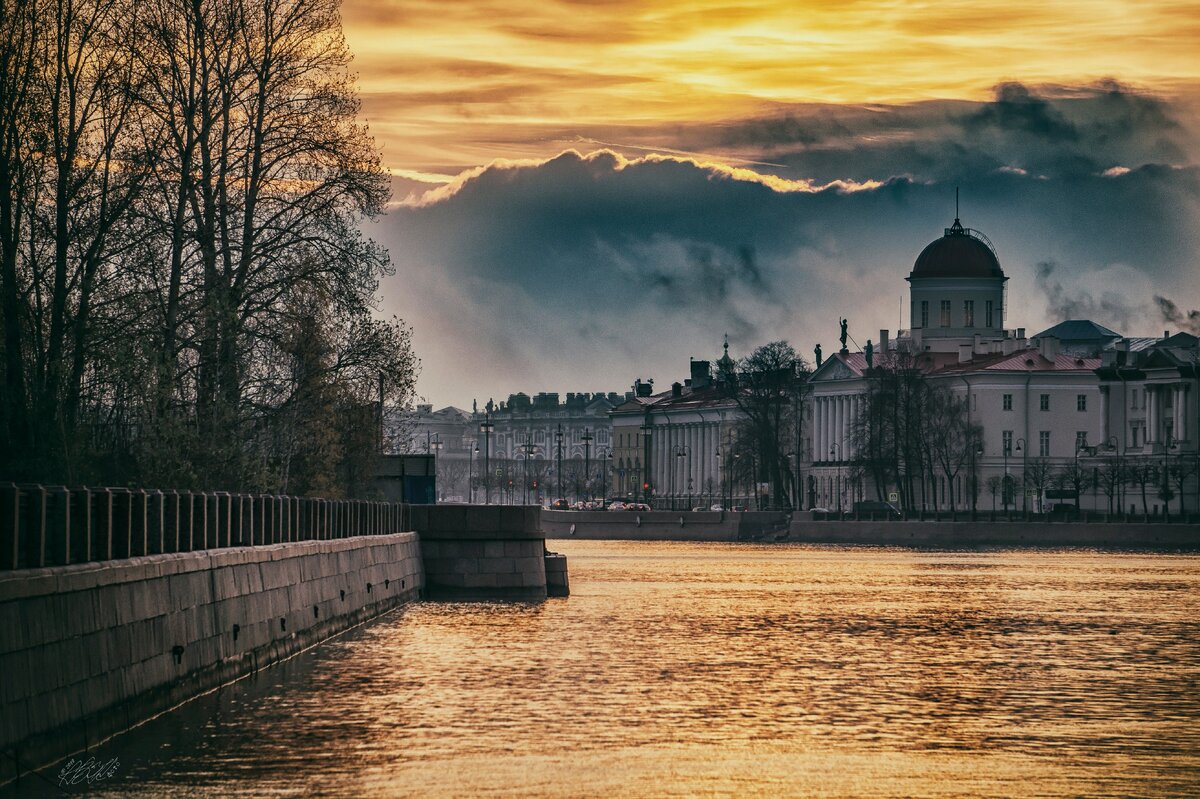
x=875, y=507
x=820, y=510
x=699, y=509
x=560, y=504
x=637, y=506
x=618, y=505
x=716, y=507
x=739, y=509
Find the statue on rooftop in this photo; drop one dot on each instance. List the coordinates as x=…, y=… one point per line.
x=870, y=353
x=844, y=334
x=817, y=353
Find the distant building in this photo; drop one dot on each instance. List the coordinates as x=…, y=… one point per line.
x=1044, y=402
x=685, y=434
x=545, y=431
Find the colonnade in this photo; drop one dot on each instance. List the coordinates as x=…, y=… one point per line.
x=834, y=417
x=670, y=471
x=1157, y=412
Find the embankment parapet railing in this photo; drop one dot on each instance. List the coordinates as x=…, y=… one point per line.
x=55, y=525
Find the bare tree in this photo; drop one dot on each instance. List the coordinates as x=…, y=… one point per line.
x=1039, y=475
x=1143, y=473
x=1111, y=478
x=771, y=389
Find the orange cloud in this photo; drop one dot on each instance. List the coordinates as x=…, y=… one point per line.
x=453, y=85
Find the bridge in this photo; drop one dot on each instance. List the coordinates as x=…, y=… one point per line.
x=117, y=604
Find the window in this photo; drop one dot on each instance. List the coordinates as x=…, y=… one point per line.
x=1044, y=443
x=1008, y=402
x=924, y=313
x=987, y=310
x=1133, y=435
x=1007, y=436
x=974, y=402
x=1080, y=439
x=945, y=313
x=1133, y=395
x=1081, y=402
x=1044, y=402
x=968, y=313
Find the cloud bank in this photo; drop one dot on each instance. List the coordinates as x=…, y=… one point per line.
x=583, y=271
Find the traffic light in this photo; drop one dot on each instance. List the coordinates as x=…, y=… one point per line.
x=535, y=483
x=645, y=486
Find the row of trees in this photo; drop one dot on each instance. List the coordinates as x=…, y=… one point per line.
x=456, y=477
x=1113, y=476
x=913, y=432
x=185, y=292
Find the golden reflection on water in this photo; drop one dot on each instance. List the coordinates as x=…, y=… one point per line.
x=730, y=670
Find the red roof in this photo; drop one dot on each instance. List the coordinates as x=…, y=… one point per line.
x=1030, y=360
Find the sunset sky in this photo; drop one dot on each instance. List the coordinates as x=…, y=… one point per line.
x=590, y=192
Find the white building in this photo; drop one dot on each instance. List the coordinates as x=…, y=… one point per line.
x=1044, y=404
x=684, y=434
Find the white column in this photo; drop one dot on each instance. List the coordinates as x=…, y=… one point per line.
x=1151, y=400
x=1176, y=407
x=843, y=433
x=819, y=429
x=1104, y=434
x=1183, y=413
x=827, y=444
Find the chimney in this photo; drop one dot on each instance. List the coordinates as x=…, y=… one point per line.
x=1048, y=346
x=883, y=341
x=964, y=353
x=1166, y=334
x=641, y=389
x=1122, y=345
x=700, y=374
x=1008, y=346
x=1020, y=333
x=676, y=389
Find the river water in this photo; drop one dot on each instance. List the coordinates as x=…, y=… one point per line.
x=681, y=669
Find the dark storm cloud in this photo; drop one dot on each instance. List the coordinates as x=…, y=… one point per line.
x=653, y=259
x=1189, y=321
x=1053, y=132
x=1016, y=109
x=1077, y=302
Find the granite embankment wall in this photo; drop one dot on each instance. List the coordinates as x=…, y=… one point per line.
x=1130, y=535
x=89, y=650
x=485, y=552
x=660, y=525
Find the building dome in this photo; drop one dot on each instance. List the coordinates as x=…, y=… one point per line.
x=962, y=252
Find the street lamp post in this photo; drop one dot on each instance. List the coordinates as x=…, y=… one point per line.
x=471, y=472
x=1024, y=465
x=527, y=449
x=835, y=452
x=683, y=451
x=605, y=462
x=1168, y=443
x=1110, y=445
x=486, y=428
x=558, y=440
x=587, y=462
x=435, y=445
x=1006, y=487
x=647, y=431
x=1080, y=443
